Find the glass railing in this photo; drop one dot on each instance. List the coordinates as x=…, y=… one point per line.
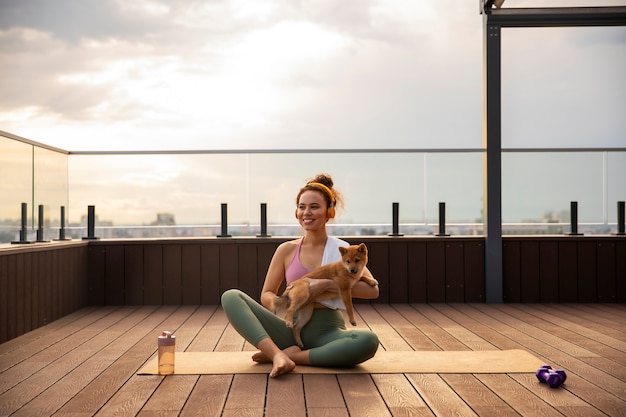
x=174, y=194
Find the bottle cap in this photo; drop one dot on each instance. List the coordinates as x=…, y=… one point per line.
x=167, y=339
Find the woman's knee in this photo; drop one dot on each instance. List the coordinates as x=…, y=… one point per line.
x=230, y=296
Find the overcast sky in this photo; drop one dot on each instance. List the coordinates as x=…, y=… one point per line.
x=198, y=74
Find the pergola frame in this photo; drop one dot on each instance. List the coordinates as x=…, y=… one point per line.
x=494, y=20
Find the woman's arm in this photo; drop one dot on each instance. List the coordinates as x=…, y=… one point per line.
x=360, y=290
x=275, y=275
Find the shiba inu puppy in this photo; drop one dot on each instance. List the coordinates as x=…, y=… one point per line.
x=346, y=273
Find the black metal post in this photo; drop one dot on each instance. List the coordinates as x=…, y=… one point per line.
x=574, y=219
x=263, y=221
x=62, y=228
x=442, y=220
x=40, y=225
x=395, y=225
x=224, y=221
x=23, y=230
x=91, y=223
x=620, y=218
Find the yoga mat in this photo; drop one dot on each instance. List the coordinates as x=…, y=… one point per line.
x=384, y=362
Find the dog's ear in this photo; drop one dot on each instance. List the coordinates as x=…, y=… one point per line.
x=362, y=248
x=342, y=250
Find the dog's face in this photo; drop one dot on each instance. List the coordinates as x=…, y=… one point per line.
x=354, y=258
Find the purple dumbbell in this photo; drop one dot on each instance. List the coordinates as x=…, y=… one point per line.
x=552, y=377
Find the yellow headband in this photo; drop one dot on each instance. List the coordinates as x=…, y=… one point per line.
x=326, y=190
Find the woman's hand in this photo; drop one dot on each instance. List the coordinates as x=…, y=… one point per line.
x=319, y=286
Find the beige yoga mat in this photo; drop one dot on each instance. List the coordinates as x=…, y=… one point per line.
x=451, y=362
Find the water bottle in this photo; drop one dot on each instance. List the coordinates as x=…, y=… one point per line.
x=167, y=349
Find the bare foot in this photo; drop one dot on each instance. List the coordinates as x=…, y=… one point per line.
x=283, y=362
x=282, y=365
x=260, y=357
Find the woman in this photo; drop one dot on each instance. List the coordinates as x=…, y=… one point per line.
x=327, y=342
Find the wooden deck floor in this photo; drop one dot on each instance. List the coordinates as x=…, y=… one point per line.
x=85, y=364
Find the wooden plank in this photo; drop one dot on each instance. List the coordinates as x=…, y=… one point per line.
x=441, y=399
x=285, y=396
x=12, y=278
x=480, y=398
x=323, y=396
x=246, y=396
x=523, y=401
x=361, y=396
x=455, y=277
x=170, y=395
x=400, y=396
x=511, y=271
x=208, y=396
x=191, y=275
x=387, y=335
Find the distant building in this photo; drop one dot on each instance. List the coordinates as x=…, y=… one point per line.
x=164, y=219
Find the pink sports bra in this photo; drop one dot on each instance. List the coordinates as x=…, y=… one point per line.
x=295, y=270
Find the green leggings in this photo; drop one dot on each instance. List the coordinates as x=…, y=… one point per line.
x=325, y=335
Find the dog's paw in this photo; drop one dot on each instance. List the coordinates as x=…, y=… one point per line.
x=352, y=322
x=289, y=324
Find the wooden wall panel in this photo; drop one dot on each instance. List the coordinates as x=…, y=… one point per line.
x=436, y=271
x=549, y=271
x=247, y=271
x=606, y=266
x=587, y=272
x=95, y=274
x=568, y=271
x=455, y=272
x=152, y=275
x=229, y=268
x=210, y=274
x=378, y=254
x=511, y=270
x=4, y=298
x=417, y=273
x=38, y=285
x=114, y=275
x=529, y=274
x=133, y=274
x=474, y=272
x=191, y=275
x=398, y=273
x=172, y=274
x=620, y=271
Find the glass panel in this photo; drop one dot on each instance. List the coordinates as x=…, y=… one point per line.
x=563, y=87
x=616, y=179
x=538, y=187
x=455, y=179
x=50, y=189
x=15, y=187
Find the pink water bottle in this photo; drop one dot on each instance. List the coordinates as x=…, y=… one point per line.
x=167, y=350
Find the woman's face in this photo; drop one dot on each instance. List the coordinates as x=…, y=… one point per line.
x=312, y=210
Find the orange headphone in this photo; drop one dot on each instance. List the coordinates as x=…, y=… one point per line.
x=331, y=209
